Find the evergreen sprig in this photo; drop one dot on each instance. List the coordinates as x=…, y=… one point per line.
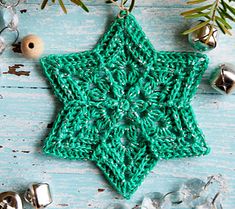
x=77, y=2
x=216, y=14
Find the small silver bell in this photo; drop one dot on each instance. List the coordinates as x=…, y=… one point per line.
x=198, y=39
x=38, y=195
x=10, y=200
x=223, y=79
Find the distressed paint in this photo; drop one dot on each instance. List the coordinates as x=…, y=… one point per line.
x=28, y=107
x=14, y=70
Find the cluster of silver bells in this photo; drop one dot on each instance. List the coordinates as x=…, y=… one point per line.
x=223, y=78
x=38, y=195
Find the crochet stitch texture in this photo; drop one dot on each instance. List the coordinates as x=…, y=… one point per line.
x=125, y=105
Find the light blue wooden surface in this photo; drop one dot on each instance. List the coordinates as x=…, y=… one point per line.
x=27, y=106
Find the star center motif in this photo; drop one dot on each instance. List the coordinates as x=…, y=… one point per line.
x=125, y=105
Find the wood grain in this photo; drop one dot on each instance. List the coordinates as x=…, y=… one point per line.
x=28, y=107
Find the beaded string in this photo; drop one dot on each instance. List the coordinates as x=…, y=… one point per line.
x=3, y=4
x=10, y=23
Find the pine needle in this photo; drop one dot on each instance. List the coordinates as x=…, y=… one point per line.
x=215, y=14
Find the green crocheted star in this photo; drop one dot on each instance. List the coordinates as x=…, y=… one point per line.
x=125, y=105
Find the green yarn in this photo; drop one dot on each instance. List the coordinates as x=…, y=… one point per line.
x=125, y=105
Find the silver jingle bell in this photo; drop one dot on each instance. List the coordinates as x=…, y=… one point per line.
x=38, y=195
x=223, y=79
x=10, y=200
x=199, y=38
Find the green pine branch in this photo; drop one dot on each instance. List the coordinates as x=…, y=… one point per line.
x=77, y=2
x=217, y=14
x=61, y=3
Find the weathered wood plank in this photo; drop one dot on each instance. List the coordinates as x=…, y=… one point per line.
x=148, y=3
x=81, y=31
x=27, y=107
x=26, y=113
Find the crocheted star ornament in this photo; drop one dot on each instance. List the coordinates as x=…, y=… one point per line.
x=125, y=105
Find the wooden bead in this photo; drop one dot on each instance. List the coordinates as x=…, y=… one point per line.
x=32, y=46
